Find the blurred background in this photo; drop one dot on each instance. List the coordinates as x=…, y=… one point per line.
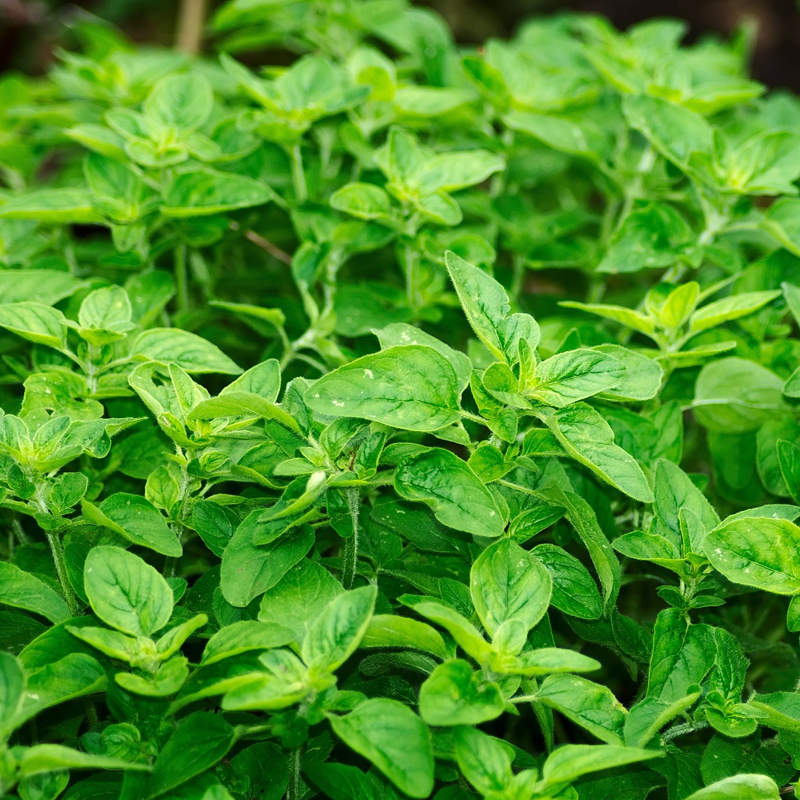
x=30, y=29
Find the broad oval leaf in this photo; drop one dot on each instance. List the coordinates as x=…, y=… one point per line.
x=412, y=388
x=20, y=589
x=125, y=592
x=445, y=483
x=190, y=352
x=394, y=739
x=588, y=438
x=757, y=551
x=509, y=583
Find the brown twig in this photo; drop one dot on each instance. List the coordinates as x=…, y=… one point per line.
x=189, y=37
x=266, y=244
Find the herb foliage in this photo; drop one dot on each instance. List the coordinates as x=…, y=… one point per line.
x=410, y=421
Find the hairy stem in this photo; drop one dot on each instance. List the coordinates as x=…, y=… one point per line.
x=295, y=788
x=351, y=544
x=57, y=549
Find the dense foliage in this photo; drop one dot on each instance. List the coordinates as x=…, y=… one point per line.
x=407, y=421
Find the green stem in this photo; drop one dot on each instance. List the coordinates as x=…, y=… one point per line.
x=351, y=544
x=518, y=278
x=298, y=175
x=57, y=549
x=410, y=260
x=295, y=790
x=181, y=278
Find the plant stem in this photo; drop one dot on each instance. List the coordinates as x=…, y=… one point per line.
x=57, y=549
x=351, y=544
x=189, y=36
x=268, y=246
x=410, y=260
x=298, y=175
x=294, y=790
x=181, y=278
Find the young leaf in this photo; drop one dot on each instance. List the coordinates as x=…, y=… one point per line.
x=455, y=695
x=509, y=583
x=125, y=592
x=336, y=632
x=568, y=377
x=486, y=306
x=588, y=438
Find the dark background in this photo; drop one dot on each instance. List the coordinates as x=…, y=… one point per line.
x=29, y=29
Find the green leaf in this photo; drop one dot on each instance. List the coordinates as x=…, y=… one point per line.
x=181, y=101
x=462, y=630
x=485, y=762
x=549, y=660
x=451, y=171
x=244, y=636
x=674, y=491
x=299, y=598
x=446, y=484
x=509, y=583
x=249, y=569
x=204, y=192
x=571, y=761
x=200, y=742
x=588, y=438
x=411, y=388
x=55, y=757
x=190, y=352
x=54, y=206
x=584, y=521
x=625, y=316
x=137, y=520
x=682, y=656
x=739, y=305
x=108, y=308
x=394, y=739
x=20, y=589
x=574, y=590
x=400, y=333
x=757, y=551
x=652, y=236
x=733, y=395
x=642, y=378
x=125, y=592
x=343, y=782
x=739, y=787
x=335, y=634
x=46, y=286
x=573, y=136
x=362, y=200
x=71, y=676
x=486, y=307
x=390, y=630
x=455, y=695
x=35, y=322
x=648, y=716
x=588, y=704
x=681, y=135
x=12, y=690
x=574, y=375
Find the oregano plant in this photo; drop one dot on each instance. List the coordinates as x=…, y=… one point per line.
x=399, y=418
